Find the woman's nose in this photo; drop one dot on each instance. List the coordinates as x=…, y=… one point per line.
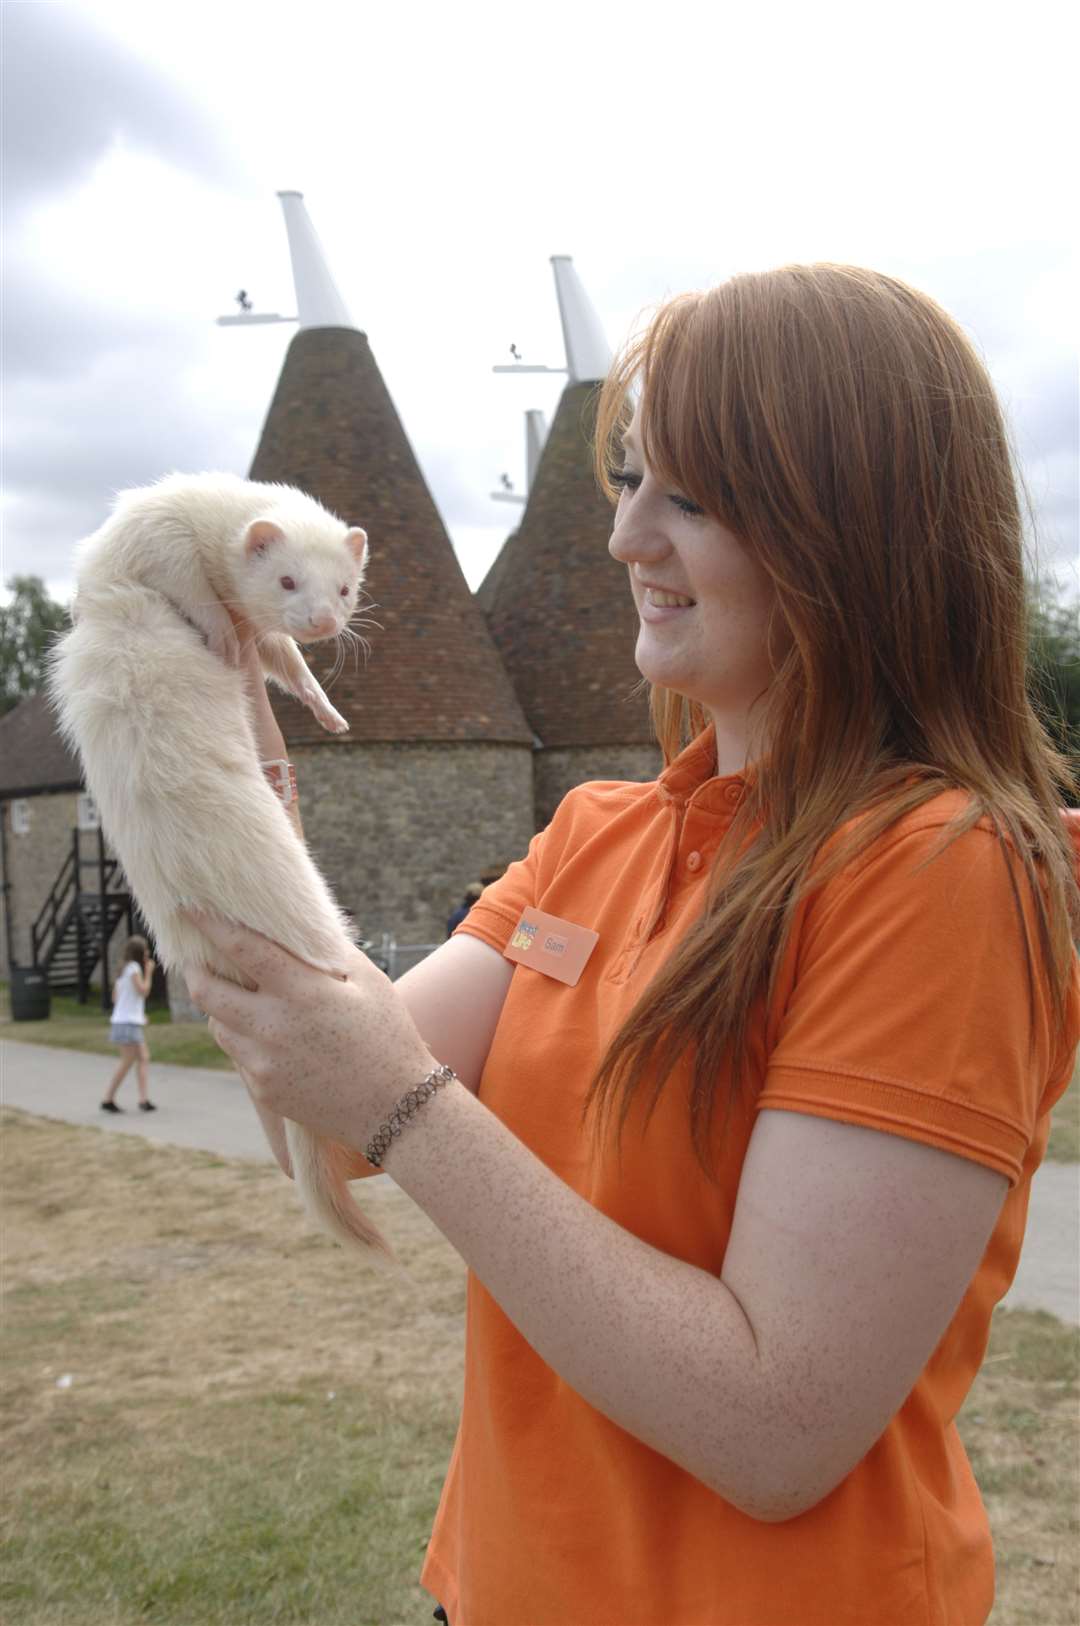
x=635, y=537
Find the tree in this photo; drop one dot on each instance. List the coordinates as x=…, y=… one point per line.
x=28, y=625
x=1054, y=667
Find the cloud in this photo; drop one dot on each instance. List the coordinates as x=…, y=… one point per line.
x=111, y=428
x=70, y=92
x=140, y=163
x=107, y=165
x=54, y=331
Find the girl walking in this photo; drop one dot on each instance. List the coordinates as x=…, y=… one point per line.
x=129, y=1022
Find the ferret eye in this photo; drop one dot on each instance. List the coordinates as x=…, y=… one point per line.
x=345, y=592
x=288, y=584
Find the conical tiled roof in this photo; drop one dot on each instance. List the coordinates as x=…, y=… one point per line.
x=33, y=756
x=488, y=591
x=561, y=613
x=434, y=673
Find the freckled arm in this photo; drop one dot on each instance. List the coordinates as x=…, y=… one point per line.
x=849, y=1254
x=660, y=1347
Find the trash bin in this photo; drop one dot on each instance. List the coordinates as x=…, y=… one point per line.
x=30, y=997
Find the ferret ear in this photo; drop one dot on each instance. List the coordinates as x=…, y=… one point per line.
x=260, y=535
x=356, y=539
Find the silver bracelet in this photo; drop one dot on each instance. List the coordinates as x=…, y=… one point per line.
x=281, y=777
x=405, y=1110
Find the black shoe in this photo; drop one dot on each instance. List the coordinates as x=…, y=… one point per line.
x=147, y=1106
x=110, y=1106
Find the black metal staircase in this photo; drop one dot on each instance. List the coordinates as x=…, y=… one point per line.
x=74, y=929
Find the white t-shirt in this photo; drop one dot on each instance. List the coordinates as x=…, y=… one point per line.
x=129, y=1005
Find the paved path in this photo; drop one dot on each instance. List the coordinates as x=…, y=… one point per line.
x=198, y=1107
x=210, y=1110
x=1048, y=1276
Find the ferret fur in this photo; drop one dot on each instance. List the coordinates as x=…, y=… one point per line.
x=147, y=691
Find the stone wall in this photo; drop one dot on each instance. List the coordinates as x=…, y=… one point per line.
x=180, y=1007
x=33, y=863
x=399, y=830
x=559, y=770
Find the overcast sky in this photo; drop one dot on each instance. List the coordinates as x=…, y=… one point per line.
x=445, y=152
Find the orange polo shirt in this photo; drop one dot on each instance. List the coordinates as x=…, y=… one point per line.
x=902, y=1005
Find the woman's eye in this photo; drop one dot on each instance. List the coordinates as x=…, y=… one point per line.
x=288, y=584
x=629, y=481
x=685, y=506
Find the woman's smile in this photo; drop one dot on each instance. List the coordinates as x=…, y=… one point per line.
x=657, y=606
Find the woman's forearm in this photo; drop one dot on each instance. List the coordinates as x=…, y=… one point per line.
x=269, y=740
x=660, y=1347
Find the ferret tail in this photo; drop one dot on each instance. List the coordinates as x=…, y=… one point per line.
x=325, y=1194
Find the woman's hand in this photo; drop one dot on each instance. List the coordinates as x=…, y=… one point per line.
x=269, y=740
x=334, y=1053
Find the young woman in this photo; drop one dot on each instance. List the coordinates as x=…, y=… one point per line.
x=755, y=1063
x=128, y=1026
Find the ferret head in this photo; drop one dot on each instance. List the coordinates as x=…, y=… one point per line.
x=300, y=574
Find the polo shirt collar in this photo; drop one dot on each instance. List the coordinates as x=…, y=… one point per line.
x=691, y=778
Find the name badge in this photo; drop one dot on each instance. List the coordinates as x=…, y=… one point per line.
x=551, y=945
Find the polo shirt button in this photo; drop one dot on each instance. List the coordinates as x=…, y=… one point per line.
x=693, y=860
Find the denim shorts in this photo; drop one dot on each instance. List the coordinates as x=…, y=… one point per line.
x=126, y=1033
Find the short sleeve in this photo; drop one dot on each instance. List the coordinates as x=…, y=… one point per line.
x=583, y=810
x=910, y=1009
x=498, y=909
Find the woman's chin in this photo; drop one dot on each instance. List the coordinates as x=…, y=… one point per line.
x=658, y=667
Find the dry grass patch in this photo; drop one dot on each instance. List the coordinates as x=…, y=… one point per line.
x=258, y=1424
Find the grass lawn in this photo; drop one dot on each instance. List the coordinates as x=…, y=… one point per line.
x=213, y=1417
x=86, y=1027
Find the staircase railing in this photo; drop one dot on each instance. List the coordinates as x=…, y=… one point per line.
x=89, y=915
x=56, y=906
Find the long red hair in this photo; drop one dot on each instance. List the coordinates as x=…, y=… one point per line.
x=844, y=427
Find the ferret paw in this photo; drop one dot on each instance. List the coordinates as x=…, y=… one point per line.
x=324, y=713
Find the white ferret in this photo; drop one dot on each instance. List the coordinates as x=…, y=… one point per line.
x=148, y=690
